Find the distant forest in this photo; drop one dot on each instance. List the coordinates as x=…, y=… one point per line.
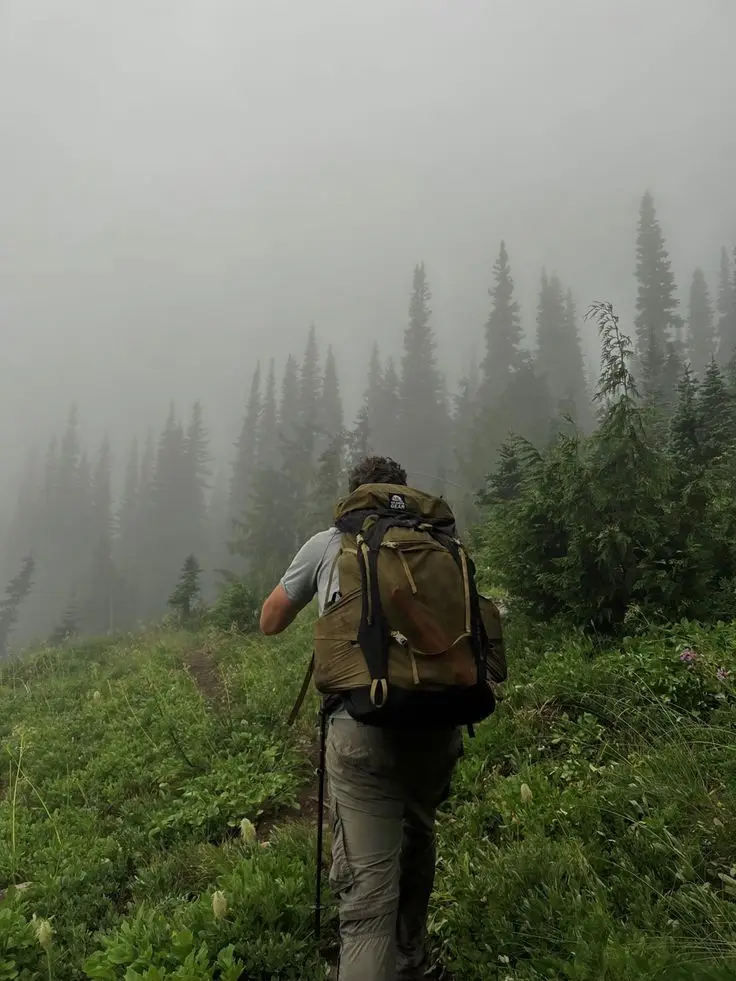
x=99, y=557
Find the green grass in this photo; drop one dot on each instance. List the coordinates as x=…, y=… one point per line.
x=124, y=780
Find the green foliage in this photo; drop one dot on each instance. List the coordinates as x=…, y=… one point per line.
x=16, y=591
x=594, y=527
x=184, y=598
x=236, y=609
x=590, y=833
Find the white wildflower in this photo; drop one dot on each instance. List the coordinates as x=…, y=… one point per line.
x=44, y=932
x=247, y=831
x=219, y=904
x=526, y=793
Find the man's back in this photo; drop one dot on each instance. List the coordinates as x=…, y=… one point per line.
x=385, y=787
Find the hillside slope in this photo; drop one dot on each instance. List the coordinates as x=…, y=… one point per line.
x=591, y=834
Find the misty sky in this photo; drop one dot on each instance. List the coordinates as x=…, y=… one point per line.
x=185, y=186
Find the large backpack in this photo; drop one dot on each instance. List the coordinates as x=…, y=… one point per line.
x=408, y=642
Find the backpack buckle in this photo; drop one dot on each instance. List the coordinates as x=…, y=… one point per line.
x=375, y=685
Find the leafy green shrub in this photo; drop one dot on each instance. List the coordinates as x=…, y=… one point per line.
x=21, y=957
x=639, y=515
x=236, y=610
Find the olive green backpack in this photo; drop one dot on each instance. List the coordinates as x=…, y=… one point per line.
x=408, y=642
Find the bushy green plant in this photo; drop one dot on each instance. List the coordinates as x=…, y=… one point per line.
x=591, y=528
x=236, y=609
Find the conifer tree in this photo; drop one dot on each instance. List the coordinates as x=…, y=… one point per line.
x=503, y=332
x=69, y=624
x=185, y=595
x=386, y=426
x=16, y=591
x=726, y=309
x=289, y=409
x=559, y=356
x=373, y=393
x=99, y=606
x=131, y=529
x=246, y=450
x=422, y=422
x=327, y=484
x=716, y=415
x=267, y=438
x=657, y=318
x=310, y=382
x=169, y=511
x=359, y=443
x=684, y=428
x=330, y=413
x=701, y=331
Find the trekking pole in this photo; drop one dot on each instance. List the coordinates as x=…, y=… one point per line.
x=320, y=821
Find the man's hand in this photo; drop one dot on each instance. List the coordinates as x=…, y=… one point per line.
x=277, y=613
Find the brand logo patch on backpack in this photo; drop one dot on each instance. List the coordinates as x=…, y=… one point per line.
x=397, y=503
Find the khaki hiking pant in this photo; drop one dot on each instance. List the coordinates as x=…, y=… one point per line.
x=385, y=788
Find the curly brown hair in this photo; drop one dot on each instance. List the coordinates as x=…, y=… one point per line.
x=376, y=470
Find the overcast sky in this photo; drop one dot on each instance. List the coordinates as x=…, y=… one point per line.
x=186, y=184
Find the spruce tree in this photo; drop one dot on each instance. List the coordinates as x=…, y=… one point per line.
x=701, y=330
x=267, y=438
x=246, y=449
x=69, y=624
x=503, y=332
x=310, y=382
x=359, y=442
x=685, y=430
x=373, y=393
x=327, y=484
x=386, y=427
x=330, y=413
x=170, y=513
x=130, y=530
x=422, y=422
x=726, y=309
x=657, y=318
x=289, y=409
x=716, y=416
x=184, y=597
x=99, y=605
x=559, y=356
x=16, y=591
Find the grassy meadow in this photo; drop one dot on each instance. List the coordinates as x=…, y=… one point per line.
x=157, y=816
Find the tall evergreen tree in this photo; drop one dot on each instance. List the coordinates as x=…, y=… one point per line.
x=246, y=450
x=726, y=309
x=169, y=512
x=330, y=413
x=359, y=443
x=716, y=415
x=196, y=473
x=289, y=409
x=99, y=607
x=16, y=591
x=310, y=382
x=657, y=319
x=268, y=430
x=701, y=331
x=559, y=354
x=373, y=393
x=422, y=423
x=503, y=353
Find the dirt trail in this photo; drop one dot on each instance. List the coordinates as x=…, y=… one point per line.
x=205, y=675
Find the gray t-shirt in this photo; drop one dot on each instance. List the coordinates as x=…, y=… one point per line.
x=310, y=573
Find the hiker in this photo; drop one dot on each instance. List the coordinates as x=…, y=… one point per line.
x=389, y=761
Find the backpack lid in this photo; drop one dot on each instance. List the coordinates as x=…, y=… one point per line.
x=396, y=498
